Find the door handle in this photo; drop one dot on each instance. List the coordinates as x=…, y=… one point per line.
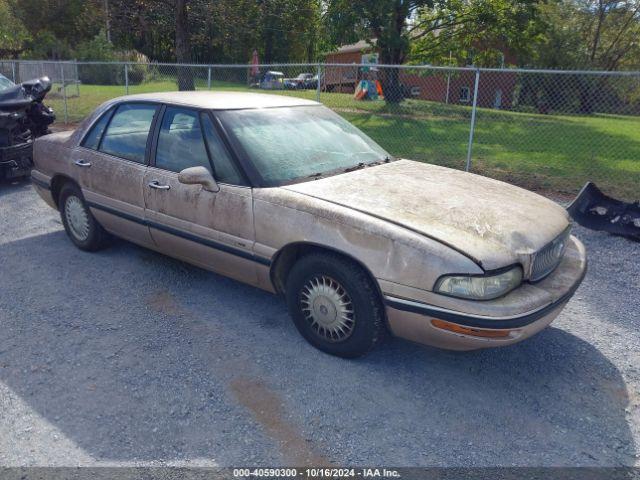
x=82, y=163
x=156, y=184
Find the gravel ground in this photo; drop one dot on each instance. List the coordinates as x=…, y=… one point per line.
x=127, y=357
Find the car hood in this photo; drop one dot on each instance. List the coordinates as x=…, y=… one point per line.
x=492, y=222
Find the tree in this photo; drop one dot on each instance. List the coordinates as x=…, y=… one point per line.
x=183, y=49
x=147, y=26
x=386, y=21
x=13, y=34
x=223, y=31
x=56, y=26
x=475, y=32
x=586, y=35
x=220, y=31
x=591, y=34
x=288, y=29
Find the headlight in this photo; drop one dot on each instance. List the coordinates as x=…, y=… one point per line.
x=480, y=287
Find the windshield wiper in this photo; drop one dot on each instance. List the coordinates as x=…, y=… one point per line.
x=355, y=167
x=362, y=165
x=359, y=166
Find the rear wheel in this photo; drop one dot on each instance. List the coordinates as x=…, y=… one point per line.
x=335, y=305
x=81, y=227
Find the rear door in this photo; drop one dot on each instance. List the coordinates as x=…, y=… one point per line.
x=112, y=162
x=211, y=229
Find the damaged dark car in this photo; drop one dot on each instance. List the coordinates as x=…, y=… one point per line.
x=23, y=117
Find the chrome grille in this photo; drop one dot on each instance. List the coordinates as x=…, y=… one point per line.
x=548, y=257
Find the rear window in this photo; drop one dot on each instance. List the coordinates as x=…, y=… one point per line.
x=92, y=139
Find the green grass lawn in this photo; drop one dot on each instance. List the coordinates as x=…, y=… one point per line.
x=554, y=153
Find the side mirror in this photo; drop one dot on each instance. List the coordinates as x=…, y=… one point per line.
x=198, y=176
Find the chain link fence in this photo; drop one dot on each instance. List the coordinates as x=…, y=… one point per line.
x=545, y=130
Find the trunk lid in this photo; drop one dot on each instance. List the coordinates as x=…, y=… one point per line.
x=58, y=137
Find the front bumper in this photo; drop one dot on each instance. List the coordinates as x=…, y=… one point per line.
x=469, y=325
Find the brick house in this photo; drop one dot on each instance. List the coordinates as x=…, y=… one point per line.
x=495, y=90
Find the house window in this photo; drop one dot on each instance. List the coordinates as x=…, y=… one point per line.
x=465, y=94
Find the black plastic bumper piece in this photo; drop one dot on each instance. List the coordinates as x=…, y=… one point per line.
x=597, y=211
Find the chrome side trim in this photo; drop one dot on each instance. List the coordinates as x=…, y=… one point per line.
x=183, y=234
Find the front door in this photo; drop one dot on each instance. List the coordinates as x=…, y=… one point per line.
x=211, y=229
x=111, y=164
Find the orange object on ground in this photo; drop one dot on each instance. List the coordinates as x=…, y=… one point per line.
x=379, y=88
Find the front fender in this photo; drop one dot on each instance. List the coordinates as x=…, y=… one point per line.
x=391, y=253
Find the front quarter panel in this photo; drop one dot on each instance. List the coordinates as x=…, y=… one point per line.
x=392, y=254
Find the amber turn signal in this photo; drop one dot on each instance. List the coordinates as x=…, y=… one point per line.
x=454, y=327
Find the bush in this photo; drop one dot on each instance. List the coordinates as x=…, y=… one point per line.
x=98, y=49
x=45, y=45
x=138, y=72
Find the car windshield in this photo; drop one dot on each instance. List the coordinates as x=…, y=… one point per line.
x=290, y=144
x=5, y=83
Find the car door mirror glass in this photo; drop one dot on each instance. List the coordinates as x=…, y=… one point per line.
x=198, y=176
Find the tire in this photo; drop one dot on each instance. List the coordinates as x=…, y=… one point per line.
x=320, y=285
x=81, y=226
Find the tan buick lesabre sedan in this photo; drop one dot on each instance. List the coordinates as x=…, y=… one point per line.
x=285, y=195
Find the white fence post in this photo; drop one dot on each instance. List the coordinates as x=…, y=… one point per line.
x=64, y=93
x=13, y=71
x=76, y=77
x=126, y=78
x=209, y=79
x=446, y=99
x=319, y=70
x=473, y=120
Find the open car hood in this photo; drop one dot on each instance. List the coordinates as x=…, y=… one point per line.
x=492, y=222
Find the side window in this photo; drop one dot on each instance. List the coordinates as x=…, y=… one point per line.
x=127, y=133
x=92, y=139
x=180, y=143
x=225, y=170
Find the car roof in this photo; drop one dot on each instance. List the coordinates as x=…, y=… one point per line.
x=220, y=100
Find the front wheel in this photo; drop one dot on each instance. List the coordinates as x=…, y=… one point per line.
x=335, y=305
x=81, y=227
